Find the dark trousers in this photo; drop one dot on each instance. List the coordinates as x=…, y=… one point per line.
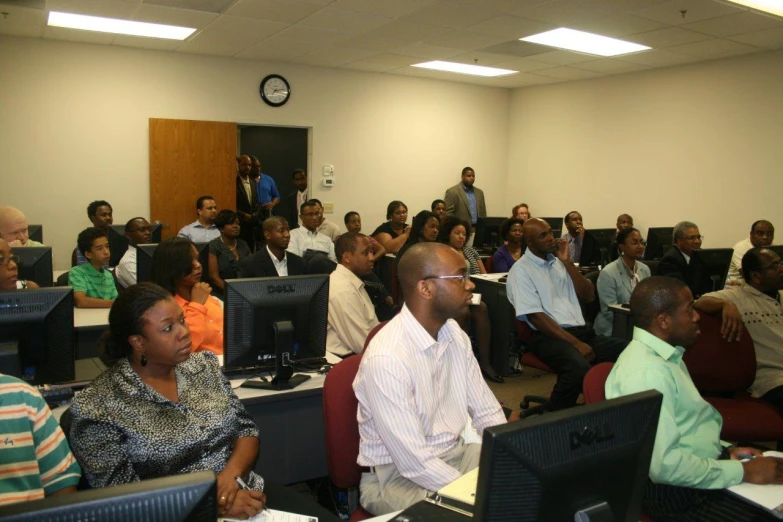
x=774, y=397
x=570, y=365
x=664, y=503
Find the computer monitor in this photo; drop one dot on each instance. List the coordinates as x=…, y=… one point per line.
x=716, y=262
x=35, y=232
x=555, y=223
x=36, y=335
x=778, y=249
x=145, y=252
x=35, y=264
x=659, y=240
x=603, y=239
x=275, y=319
x=190, y=497
x=118, y=243
x=593, y=459
x=490, y=232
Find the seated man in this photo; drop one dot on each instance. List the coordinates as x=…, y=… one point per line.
x=678, y=261
x=272, y=260
x=37, y=461
x=13, y=228
x=307, y=236
x=757, y=305
x=689, y=464
x=351, y=311
x=762, y=233
x=623, y=221
x=93, y=285
x=203, y=230
x=582, y=248
x=417, y=384
x=545, y=289
x=326, y=227
x=9, y=270
x=137, y=232
x=101, y=216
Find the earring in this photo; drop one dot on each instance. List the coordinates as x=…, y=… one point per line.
x=143, y=360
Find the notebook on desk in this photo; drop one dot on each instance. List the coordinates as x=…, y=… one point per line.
x=767, y=496
x=459, y=496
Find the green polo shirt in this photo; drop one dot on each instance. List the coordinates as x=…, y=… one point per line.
x=687, y=443
x=94, y=283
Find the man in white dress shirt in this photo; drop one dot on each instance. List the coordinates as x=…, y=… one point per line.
x=138, y=232
x=417, y=384
x=762, y=234
x=307, y=236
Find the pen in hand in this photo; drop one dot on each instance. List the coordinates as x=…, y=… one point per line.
x=245, y=486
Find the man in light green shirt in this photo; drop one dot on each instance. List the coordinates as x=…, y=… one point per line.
x=689, y=458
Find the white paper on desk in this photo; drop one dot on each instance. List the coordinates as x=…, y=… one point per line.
x=769, y=496
x=491, y=277
x=463, y=489
x=272, y=515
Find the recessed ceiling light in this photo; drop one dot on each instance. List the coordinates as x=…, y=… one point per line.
x=768, y=6
x=464, y=68
x=583, y=42
x=114, y=25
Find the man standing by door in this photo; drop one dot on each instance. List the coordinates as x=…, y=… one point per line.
x=296, y=198
x=246, y=199
x=466, y=201
x=268, y=195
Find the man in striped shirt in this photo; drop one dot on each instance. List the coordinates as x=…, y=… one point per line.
x=417, y=384
x=35, y=460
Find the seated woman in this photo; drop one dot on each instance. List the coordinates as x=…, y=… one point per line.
x=394, y=233
x=9, y=270
x=521, y=211
x=425, y=227
x=618, y=279
x=226, y=250
x=438, y=208
x=160, y=410
x=454, y=233
x=176, y=268
x=513, y=248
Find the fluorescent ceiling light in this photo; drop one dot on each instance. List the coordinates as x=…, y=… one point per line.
x=464, y=68
x=584, y=42
x=768, y=6
x=113, y=25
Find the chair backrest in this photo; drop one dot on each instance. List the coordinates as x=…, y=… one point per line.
x=62, y=279
x=594, y=381
x=489, y=265
x=524, y=331
x=590, y=310
x=718, y=366
x=73, y=258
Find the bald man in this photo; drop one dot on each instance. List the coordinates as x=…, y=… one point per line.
x=272, y=260
x=13, y=228
x=247, y=197
x=417, y=384
x=545, y=288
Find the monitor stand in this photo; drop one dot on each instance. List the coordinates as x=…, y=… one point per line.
x=284, y=378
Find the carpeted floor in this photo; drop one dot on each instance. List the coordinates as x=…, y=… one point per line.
x=529, y=382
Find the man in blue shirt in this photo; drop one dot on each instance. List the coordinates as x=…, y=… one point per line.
x=545, y=288
x=268, y=196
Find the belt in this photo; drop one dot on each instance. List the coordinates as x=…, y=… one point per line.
x=365, y=469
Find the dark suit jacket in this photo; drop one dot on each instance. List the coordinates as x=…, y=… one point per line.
x=673, y=265
x=457, y=203
x=243, y=205
x=260, y=265
x=291, y=212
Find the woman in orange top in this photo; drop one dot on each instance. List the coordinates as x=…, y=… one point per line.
x=176, y=268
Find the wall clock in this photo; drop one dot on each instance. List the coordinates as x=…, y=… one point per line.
x=275, y=90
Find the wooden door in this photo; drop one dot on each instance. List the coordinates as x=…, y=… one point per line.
x=190, y=159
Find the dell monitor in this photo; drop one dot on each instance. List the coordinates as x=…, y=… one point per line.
x=716, y=262
x=659, y=240
x=36, y=335
x=35, y=232
x=278, y=320
x=778, y=249
x=556, y=224
x=602, y=241
x=591, y=462
x=35, y=264
x=118, y=243
x=190, y=497
x=144, y=254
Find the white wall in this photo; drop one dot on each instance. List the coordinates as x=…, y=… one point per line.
x=74, y=128
x=702, y=142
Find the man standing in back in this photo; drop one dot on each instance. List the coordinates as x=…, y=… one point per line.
x=466, y=201
x=247, y=196
x=296, y=198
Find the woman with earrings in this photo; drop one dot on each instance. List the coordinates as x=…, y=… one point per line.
x=618, y=279
x=161, y=410
x=226, y=250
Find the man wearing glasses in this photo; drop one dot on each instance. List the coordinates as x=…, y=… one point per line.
x=306, y=239
x=545, y=289
x=9, y=270
x=138, y=232
x=679, y=262
x=417, y=384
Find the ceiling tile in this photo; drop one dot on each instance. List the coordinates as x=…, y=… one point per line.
x=483, y=58
x=229, y=35
x=171, y=16
x=159, y=44
x=713, y=49
x=523, y=80
x=620, y=25
x=369, y=67
x=769, y=39
x=278, y=50
x=523, y=64
x=333, y=56
x=350, y=22
x=456, y=16
x=466, y=40
x=739, y=23
x=517, y=48
x=75, y=35
x=387, y=8
x=298, y=33
x=107, y=8
x=393, y=59
x=322, y=3
x=28, y=30
x=667, y=37
x=511, y=27
x=609, y=66
x=670, y=12
x=657, y=58
x=430, y=52
x=564, y=57
x=504, y=6
x=568, y=12
x=566, y=73
x=22, y=21
x=375, y=43
x=274, y=10
x=411, y=31
x=212, y=6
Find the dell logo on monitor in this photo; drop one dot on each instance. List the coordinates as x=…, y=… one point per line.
x=589, y=436
x=281, y=289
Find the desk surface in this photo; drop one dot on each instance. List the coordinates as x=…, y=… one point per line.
x=90, y=317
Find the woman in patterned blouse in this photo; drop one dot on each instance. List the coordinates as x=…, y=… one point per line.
x=160, y=410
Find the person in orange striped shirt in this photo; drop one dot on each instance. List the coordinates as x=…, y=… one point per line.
x=35, y=460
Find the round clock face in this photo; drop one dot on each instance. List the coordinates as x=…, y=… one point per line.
x=275, y=90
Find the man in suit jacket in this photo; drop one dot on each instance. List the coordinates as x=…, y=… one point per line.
x=678, y=261
x=296, y=198
x=247, y=196
x=466, y=201
x=272, y=260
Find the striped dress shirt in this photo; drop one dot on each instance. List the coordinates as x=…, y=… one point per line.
x=414, y=393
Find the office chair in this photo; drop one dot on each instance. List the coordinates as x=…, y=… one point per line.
x=489, y=265
x=524, y=332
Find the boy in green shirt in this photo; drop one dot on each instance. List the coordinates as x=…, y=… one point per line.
x=93, y=286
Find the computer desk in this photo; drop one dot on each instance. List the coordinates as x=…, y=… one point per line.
x=501, y=317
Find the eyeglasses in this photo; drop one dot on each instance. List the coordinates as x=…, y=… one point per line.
x=464, y=277
x=5, y=260
x=695, y=238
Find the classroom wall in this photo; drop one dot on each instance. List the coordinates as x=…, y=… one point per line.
x=74, y=128
x=702, y=142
